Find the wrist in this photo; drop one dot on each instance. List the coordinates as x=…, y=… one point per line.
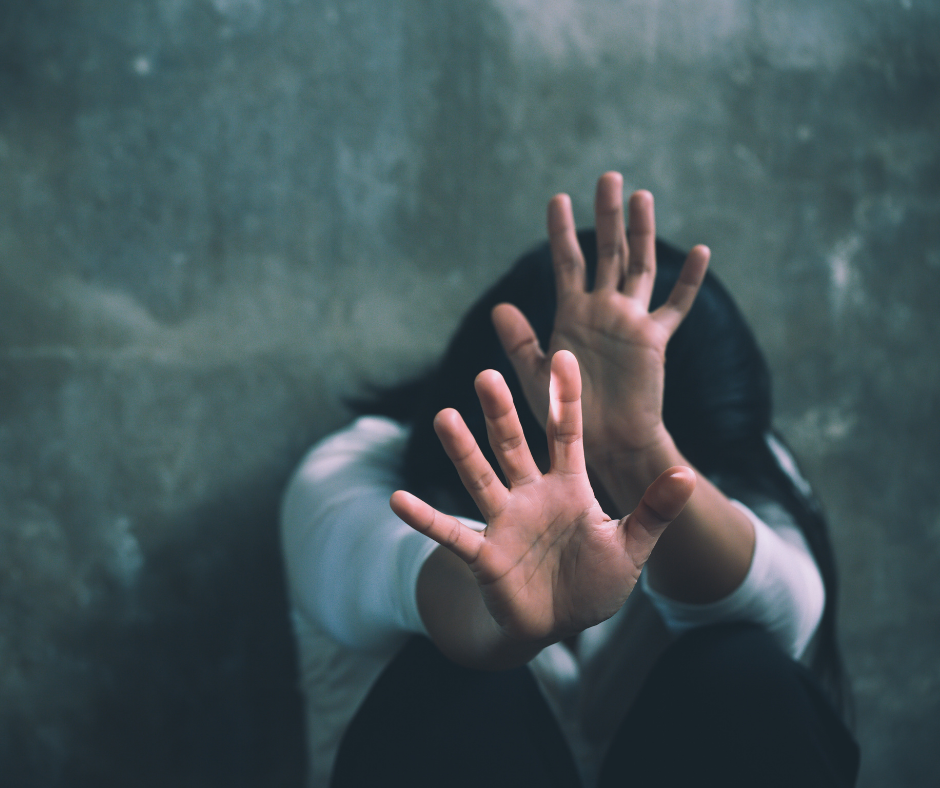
x=642, y=463
x=627, y=470
x=506, y=651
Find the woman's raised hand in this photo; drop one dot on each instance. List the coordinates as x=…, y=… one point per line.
x=618, y=342
x=550, y=563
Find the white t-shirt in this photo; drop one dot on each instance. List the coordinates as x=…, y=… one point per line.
x=352, y=571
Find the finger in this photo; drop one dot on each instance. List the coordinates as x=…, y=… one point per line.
x=567, y=259
x=522, y=346
x=662, y=502
x=686, y=288
x=447, y=531
x=565, y=434
x=612, y=247
x=475, y=472
x=504, y=430
x=641, y=266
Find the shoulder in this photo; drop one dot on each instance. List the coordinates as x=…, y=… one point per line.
x=370, y=442
x=358, y=463
x=366, y=435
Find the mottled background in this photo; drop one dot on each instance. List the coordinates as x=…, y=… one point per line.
x=218, y=217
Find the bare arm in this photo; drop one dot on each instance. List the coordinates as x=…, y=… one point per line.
x=707, y=551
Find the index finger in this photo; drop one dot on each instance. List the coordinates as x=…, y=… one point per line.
x=567, y=259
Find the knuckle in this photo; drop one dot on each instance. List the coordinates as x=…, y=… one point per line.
x=568, y=263
x=481, y=481
x=510, y=444
x=453, y=537
x=528, y=347
x=567, y=435
x=616, y=249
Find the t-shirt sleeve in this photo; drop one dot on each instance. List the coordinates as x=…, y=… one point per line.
x=352, y=564
x=782, y=591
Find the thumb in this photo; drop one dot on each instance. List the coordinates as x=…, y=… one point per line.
x=662, y=502
x=518, y=339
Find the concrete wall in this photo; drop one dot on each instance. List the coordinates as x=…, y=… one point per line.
x=218, y=217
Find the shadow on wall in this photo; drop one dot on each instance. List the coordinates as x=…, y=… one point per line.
x=192, y=674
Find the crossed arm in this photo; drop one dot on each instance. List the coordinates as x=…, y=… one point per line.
x=551, y=563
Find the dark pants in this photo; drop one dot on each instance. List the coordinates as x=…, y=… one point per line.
x=723, y=706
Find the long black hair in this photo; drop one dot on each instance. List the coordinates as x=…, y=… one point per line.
x=716, y=406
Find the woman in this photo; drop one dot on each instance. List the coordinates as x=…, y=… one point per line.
x=691, y=676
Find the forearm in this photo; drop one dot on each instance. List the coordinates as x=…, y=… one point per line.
x=706, y=552
x=458, y=622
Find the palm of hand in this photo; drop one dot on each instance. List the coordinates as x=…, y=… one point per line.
x=621, y=350
x=550, y=563
x=620, y=345
x=553, y=563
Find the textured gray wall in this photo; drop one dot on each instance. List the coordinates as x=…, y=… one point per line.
x=217, y=217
